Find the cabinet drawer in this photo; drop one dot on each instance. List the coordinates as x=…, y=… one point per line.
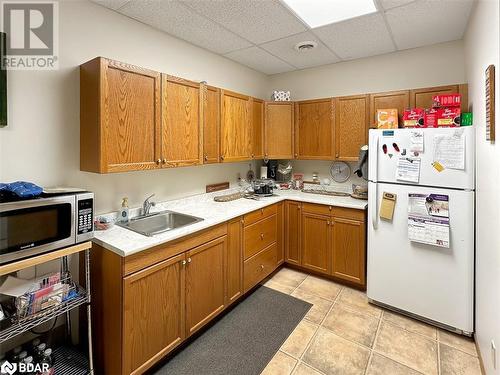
x=260, y=235
x=321, y=209
x=349, y=213
x=259, y=266
x=259, y=214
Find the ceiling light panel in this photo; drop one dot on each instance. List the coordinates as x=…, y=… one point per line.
x=318, y=13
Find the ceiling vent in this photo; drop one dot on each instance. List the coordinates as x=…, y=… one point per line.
x=306, y=46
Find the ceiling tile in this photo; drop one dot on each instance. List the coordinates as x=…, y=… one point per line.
x=111, y=4
x=358, y=37
x=258, y=59
x=434, y=22
x=178, y=20
x=389, y=4
x=285, y=50
x=259, y=21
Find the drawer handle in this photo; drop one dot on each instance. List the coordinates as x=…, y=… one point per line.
x=262, y=267
x=262, y=236
x=330, y=208
x=262, y=211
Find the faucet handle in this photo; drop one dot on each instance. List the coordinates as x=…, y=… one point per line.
x=151, y=196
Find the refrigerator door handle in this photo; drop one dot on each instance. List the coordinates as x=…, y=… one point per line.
x=373, y=157
x=373, y=197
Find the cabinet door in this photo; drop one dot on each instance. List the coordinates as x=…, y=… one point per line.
x=422, y=98
x=351, y=126
x=280, y=239
x=278, y=136
x=205, y=283
x=316, y=242
x=130, y=119
x=388, y=100
x=257, y=129
x=234, y=260
x=235, y=127
x=292, y=232
x=181, y=122
x=314, y=121
x=349, y=250
x=153, y=318
x=211, y=124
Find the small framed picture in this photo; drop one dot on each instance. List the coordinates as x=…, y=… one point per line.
x=490, y=103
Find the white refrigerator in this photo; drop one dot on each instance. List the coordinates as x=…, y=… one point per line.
x=434, y=283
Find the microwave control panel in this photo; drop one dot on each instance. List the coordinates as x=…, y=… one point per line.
x=85, y=215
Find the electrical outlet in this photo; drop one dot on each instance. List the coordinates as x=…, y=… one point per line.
x=494, y=354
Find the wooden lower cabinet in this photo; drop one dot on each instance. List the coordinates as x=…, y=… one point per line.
x=349, y=244
x=234, y=260
x=153, y=313
x=316, y=241
x=205, y=281
x=292, y=232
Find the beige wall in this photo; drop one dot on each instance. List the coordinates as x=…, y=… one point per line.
x=41, y=142
x=482, y=49
x=435, y=65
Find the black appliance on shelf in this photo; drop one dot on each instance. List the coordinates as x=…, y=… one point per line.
x=272, y=169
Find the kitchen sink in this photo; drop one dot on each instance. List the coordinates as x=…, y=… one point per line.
x=159, y=222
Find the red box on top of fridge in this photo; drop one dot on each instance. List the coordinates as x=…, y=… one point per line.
x=431, y=118
x=413, y=118
x=448, y=116
x=446, y=100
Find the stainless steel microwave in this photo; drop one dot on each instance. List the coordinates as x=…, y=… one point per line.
x=40, y=225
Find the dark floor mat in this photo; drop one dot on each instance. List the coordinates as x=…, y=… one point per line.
x=244, y=341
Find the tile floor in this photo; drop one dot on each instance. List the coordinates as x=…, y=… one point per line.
x=343, y=334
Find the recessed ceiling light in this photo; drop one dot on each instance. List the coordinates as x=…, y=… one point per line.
x=306, y=45
x=317, y=13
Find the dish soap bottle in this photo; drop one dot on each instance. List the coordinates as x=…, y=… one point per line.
x=123, y=214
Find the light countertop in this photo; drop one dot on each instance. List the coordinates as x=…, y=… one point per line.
x=125, y=242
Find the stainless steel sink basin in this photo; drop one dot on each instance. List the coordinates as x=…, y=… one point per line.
x=159, y=222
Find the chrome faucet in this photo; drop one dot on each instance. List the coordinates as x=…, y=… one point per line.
x=146, y=206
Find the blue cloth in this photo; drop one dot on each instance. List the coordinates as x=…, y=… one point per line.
x=22, y=189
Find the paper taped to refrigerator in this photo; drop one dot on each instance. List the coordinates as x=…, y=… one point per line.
x=417, y=141
x=408, y=169
x=429, y=219
x=449, y=150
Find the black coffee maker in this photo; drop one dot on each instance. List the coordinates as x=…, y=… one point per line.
x=272, y=169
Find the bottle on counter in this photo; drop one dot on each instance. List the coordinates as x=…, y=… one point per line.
x=124, y=211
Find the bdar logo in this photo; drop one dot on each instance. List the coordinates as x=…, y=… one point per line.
x=8, y=368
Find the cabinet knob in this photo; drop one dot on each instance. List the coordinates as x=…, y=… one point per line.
x=296, y=155
x=242, y=221
x=164, y=161
x=328, y=222
x=253, y=156
x=262, y=211
x=183, y=262
x=205, y=157
x=158, y=161
x=222, y=157
x=262, y=267
x=262, y=236
x=298, y=207
x=189, y=260
x=337, y=155
x=330, y=208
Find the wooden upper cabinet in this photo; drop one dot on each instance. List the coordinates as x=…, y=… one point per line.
x=211, y=124
x=181, y=126
x=314, y=129
x=153, y=314
x=293, y=220
x=351, y=126
x=388, y=100
x=422, y=98
x=278, y=134
x=205, y=283
x=119, y=117
x=235, y=135
x=257, y=129
x=349, y=250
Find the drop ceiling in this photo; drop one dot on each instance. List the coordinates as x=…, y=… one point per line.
x=262, y=34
